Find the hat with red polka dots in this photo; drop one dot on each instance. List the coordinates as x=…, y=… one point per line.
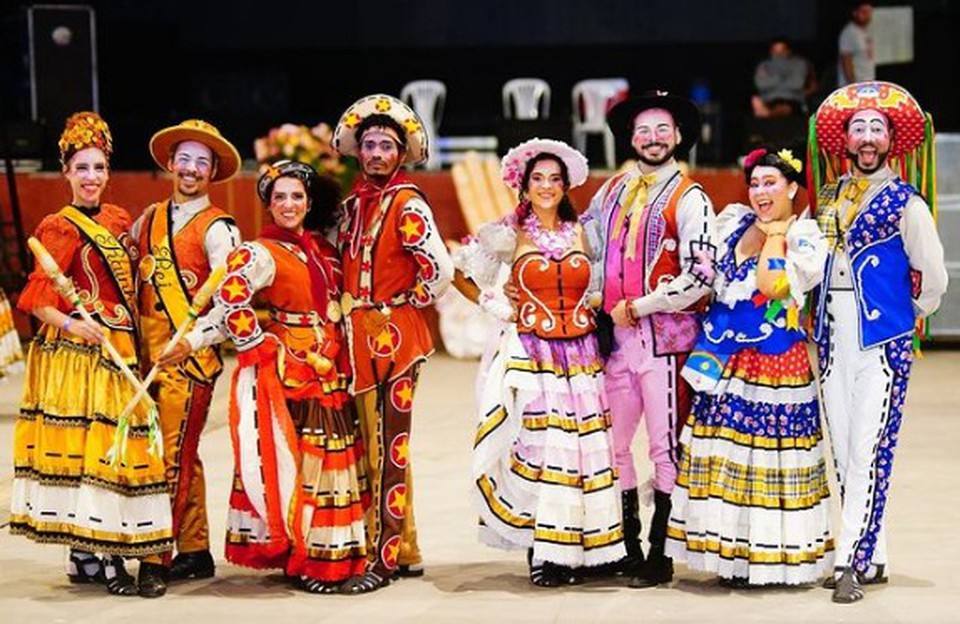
x=903, y=111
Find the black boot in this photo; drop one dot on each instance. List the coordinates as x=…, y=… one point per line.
x=632, y=564
x=658, y=568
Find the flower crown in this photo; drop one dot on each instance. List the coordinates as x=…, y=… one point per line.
x=83, y=130
x=785, y=155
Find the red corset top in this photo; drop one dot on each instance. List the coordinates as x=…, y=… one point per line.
x=552, y=303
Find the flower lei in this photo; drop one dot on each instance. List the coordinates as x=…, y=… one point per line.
x=552, y=243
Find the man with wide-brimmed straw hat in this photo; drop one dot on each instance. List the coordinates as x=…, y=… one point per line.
x=181, y=240
x=884, y=274
x=395, y=263
x=652, y=227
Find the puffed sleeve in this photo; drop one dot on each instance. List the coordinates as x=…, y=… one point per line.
x=250, y=268
x=61, y=239
x=806, y=258
x=481, y=257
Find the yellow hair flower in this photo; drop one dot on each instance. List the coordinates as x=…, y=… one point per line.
x=787, y=156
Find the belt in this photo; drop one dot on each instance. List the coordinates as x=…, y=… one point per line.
x=349, y=303
x=306, y=319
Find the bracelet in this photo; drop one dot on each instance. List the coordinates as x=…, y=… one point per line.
x=776, y=264
x=769, y=234
x=66, y=324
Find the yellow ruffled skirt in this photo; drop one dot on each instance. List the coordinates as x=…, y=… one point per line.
x=66, y=490
x=11, y=354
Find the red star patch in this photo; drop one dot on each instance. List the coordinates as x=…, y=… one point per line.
x=235, y=290
x=237, y=258
x=386, y=342
x=401, y=394
x=428, y=268
x=242, y=323
x=390, y=552
x=413, y=228
x=397, y=501
x=400, y=451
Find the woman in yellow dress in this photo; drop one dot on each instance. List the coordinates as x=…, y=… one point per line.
x=67, y=489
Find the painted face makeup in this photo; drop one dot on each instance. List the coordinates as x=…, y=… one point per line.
x=868, y=140
x=770, y=194
x=379, y=153
x=192, y=165
x=87, y=172
x=545, y=188
x=655, y=136
x=289, y=204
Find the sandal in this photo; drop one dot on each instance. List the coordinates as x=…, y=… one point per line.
x=316, y=586
x=368, y=582
x=119, y=582
x=83, y=567
x=848, y=589
x=879, y=577
x=546, y=574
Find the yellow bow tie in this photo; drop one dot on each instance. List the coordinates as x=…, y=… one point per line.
x=853, y=193
x=635, y=198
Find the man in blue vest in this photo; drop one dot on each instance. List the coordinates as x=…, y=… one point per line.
x=884, y=273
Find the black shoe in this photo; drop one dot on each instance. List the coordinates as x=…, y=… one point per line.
x=848, y=589
x=411, y=570
x=151, y=580
x=84, y=567
x=369, y=581
x=736, y=582
x=119, y=582
x=192, y=565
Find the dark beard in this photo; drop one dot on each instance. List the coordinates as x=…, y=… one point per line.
x=881, y=161
x=380, y=179
x=656, y=162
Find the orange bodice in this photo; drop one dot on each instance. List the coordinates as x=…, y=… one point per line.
x=552, y=303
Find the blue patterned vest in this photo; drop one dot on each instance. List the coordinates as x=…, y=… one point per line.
x=880, y=269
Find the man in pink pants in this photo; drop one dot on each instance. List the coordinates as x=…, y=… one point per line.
x=653, y=229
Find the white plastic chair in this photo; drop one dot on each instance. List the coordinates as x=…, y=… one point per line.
x=426, y=98
x=529, y=97
x=591, y=100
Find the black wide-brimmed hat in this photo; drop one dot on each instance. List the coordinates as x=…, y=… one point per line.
x=685, y=115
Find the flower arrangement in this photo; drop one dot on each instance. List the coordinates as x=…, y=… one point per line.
x=312, y=146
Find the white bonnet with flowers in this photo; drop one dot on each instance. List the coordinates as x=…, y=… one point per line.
x=514, y=163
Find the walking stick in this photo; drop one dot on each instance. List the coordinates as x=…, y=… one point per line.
x=199, y=303
x=65, y=287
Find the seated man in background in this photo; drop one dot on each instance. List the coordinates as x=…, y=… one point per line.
x=783, y=82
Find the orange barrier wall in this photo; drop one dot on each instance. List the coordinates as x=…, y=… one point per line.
x=43, y=193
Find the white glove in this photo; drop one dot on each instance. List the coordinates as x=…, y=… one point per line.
x=496, y=307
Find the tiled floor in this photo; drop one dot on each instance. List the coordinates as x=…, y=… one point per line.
x=466, y=581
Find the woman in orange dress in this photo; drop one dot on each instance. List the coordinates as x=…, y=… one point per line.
x=67, y=489
x=299, y=490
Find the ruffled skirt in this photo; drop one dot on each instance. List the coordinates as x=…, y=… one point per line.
x=65, y=488
x=544, y=472
x=751, y=499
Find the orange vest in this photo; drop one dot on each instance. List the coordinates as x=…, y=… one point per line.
x=302, y=329
x=171, y=277
x=383, y=272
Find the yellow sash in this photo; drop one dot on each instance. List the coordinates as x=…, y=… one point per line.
x=172, y=292
x=117, y=258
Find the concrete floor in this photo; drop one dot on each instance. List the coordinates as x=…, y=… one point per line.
x=466, y=581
